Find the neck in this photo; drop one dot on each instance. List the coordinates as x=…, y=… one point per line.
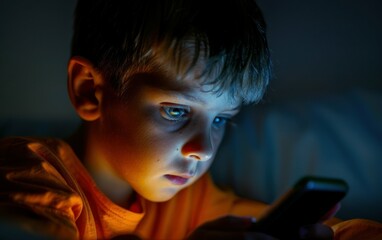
x=116, y=189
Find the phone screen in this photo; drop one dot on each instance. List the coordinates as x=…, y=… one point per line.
x=306, y=203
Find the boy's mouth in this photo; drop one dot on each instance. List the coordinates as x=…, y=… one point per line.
x=177, y=180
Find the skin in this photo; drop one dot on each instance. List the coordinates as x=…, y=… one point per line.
x=160, y=137
x=157, y=139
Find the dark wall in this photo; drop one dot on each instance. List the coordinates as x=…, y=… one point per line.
x=34, y=49
x=317, y=47
x=325, y=46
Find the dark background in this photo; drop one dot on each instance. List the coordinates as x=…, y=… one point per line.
x=318, y=47
x=324, y=46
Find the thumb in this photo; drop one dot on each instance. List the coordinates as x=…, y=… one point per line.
x=316, y=231
x=331, y=212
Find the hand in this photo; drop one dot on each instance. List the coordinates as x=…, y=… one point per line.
x=228, y=228
x=316, y=231
x=240, y=228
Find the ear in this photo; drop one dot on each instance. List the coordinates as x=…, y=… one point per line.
x=85, y=88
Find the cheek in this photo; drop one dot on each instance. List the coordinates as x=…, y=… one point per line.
x=122, y=138
x=205, y=166
x=141, y=144
x=217, y=137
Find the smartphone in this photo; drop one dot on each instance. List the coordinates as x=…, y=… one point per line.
x=308, y=202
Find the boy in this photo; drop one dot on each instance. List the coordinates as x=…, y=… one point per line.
x=155, y=83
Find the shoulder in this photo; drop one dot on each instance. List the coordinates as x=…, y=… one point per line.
x=27, y=151
x=37, y=156
x=15, y=146
x=36, y=160
x=35, y=182
x=33, y=165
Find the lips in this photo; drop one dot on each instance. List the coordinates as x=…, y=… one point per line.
x=177, y=180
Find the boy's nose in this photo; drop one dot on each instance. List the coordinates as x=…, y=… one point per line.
x=198, y=148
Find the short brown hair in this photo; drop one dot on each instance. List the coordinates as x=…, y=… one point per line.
x=118, y=36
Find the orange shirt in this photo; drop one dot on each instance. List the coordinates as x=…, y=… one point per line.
x=44, y=188
x=45, y=177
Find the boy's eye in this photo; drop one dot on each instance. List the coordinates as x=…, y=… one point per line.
x=220, y=121
x=174, y=113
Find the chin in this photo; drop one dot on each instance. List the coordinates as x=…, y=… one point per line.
x=161, y=196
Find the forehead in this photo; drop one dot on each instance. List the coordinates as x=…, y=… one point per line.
x=186, y=69
x=164, y=85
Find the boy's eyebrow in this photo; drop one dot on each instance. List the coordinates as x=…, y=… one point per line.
x=237, y=108
x=184, y=95
x=192, y=98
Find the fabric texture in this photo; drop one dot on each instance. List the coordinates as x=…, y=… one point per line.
x=44, y=177
x=44, y=188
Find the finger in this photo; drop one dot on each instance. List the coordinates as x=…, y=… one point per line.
x=331, y=212
x=316, y=231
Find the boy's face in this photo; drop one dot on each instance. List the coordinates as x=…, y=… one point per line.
x=164, y=135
